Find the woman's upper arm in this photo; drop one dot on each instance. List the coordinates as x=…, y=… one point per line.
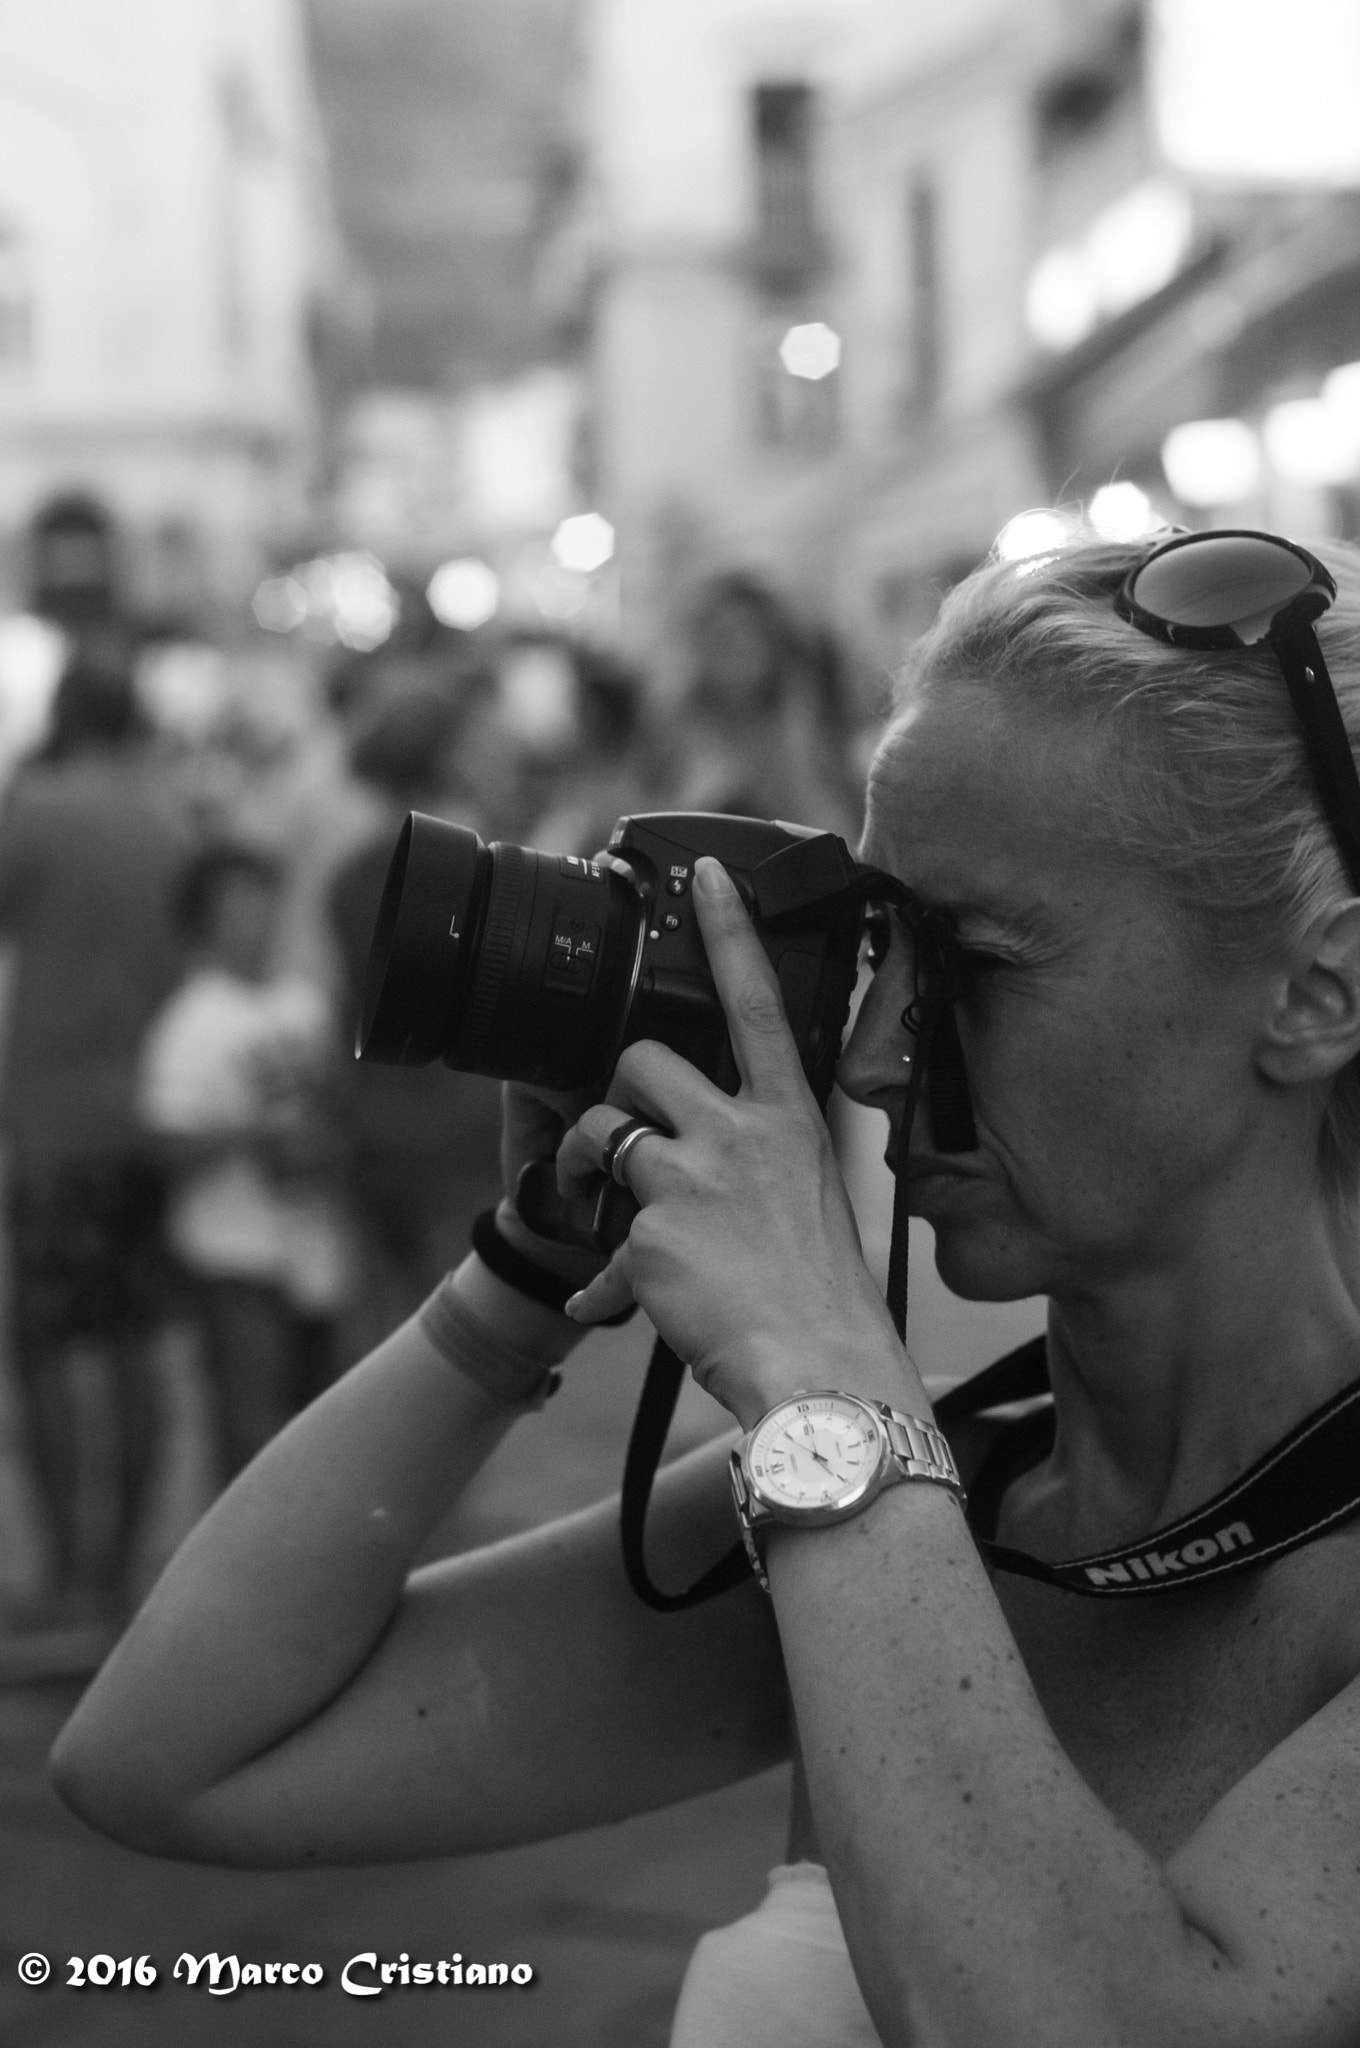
x=1272, y=1879
x=521, y=1691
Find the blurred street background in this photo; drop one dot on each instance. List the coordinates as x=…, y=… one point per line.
x=526, y=411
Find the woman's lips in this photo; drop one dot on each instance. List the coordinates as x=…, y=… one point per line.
x=929, y=1165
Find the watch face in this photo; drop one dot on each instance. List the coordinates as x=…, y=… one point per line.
x=818, y=1452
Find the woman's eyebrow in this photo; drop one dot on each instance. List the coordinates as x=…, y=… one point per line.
x=1019, y=920
x=982, y=920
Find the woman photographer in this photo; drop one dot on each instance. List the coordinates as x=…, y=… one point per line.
x=1044, y=1819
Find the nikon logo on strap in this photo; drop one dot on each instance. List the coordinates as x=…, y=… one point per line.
x=1158, y=1564
x=1301, y=1488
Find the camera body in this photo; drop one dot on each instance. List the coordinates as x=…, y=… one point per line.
x=801, y=891
x=541, y=968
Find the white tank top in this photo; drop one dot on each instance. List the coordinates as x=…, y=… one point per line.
x=780, y=1978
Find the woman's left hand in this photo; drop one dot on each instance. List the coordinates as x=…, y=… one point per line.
x=745, y=1255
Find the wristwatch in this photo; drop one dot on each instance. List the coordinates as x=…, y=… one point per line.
x=822, y=1457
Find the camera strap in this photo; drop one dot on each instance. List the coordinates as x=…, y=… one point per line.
x=660, y=1391
x=1305, y=1485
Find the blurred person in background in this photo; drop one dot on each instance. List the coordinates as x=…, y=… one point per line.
x=762, y=729
x=91, y=849
x=521, y=731
x=422, y=1146
x=614, y=766
x=293, y=793
x=234, y=1076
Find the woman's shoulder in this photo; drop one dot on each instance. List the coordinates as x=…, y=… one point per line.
x=994, y=1450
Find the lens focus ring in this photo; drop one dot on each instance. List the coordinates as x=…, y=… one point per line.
x=509, y=876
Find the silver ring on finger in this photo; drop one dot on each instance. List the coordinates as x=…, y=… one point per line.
x=622, y=1143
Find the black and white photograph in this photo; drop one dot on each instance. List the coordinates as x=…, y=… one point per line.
x=679, y=1023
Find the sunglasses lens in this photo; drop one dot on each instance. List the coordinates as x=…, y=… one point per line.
x=1234, y=580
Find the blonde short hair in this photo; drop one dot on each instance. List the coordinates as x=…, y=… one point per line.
x=1201, y=776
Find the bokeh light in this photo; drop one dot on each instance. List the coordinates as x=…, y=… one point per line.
x=1060, y=299
x=345, y=597
x=1032, y=533
x=585, y=542
x=464, y=593
x=353, y=591
x=1212, y=462
x=1132, y=249
x=32, y=654
x=1303, y=445
x=1121, y=511
x=1137, y=245
x=1341, y=396
x=280, y=604
x=812, y=350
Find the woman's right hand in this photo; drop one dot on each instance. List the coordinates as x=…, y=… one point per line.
x=534, y=1122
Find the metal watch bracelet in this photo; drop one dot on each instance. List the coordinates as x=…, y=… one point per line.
x=921, y=1450
x=918, y=1450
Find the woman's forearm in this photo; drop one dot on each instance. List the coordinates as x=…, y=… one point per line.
x=280, y=1593
x=989, y=1898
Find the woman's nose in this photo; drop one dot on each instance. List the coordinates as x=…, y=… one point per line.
x=872, y=1058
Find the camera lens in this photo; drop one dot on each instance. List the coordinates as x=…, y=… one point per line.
x=499, y=960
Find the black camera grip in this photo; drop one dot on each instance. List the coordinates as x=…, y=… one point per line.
x=598, y=1223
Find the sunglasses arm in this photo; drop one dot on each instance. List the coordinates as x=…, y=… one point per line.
x=1324, y=735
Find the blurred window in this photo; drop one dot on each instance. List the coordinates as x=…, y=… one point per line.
x=16, y=299
x=72, y=565
x=788, y=248
x=1075, y=101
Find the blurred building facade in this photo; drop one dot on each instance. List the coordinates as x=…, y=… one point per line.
x=866, y=281
x=855, y=167
x=165, y=242
x=1203, y=388
x=451, y=144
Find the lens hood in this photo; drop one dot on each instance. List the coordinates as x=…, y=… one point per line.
x=423, y=941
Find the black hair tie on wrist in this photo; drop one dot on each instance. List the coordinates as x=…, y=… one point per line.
x=510, y=1265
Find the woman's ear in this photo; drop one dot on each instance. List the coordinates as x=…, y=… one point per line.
x=1314, y=1028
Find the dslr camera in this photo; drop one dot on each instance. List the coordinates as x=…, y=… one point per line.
x=541, y=967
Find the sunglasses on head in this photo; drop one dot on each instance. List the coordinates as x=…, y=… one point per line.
x=1236, y=588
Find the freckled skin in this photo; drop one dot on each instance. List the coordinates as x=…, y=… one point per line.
x=1110, y=1072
